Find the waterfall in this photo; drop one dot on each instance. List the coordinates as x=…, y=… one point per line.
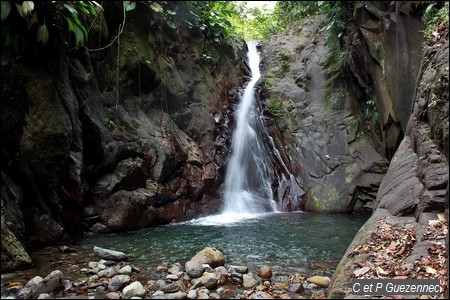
x=248, y=178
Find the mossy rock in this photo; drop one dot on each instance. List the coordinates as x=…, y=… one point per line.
x=14, y=256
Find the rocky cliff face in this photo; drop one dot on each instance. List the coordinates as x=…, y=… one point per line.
x=415, y=188
x=373, y=136
x=414, y=193
x=333, y=159
x=131, y=136
x=343, y=112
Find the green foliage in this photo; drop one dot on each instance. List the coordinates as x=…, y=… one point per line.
x=276, y=107
x=71, y=11
x=6, y=8
x=336, y=60
x=434, y=100
x=435, y=18
x=129, y=5
x=425, y=137
x=337, y=100
x=162, y=7
x=42, y=34
x=290, y=11
x=284, y=61
x=213, y=19
x=291, y=106
x=109, y=123
x=338, y=12
x=75, y=25
x=301, y=47
x=257, y=23
x=371, y=112
x=75, y=8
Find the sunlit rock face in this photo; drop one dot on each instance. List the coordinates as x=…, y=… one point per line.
x=340, y=129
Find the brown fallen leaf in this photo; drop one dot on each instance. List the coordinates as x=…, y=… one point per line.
x=430, y=270
x=400, y=277
x=381, y=271
x=249, y=293
x=361, y=271
x=441, y=217
x=319, y=296
x=393, y=246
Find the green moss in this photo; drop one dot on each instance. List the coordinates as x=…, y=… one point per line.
x=337, y=100
x=14, y=255
x=348, y=172
x=276, y=107
x=315, y=202
x=333, y=195
x=151, y=186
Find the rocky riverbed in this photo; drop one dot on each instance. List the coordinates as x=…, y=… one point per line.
x=204, y=276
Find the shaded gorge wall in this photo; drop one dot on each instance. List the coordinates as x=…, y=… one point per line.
x=130, y=136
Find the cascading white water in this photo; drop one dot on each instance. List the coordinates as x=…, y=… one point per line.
x=248, y=180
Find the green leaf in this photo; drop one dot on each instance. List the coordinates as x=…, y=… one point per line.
x=70, y=9
x=27, y=7
x=80, y=25
x=171, y=12
x=19, y=9
x=156, y=7
x=42, y=34
x=79, y=35
x=375, y=116
x=171, y=24
x=129, y=5
x=85, y=8
x=6, y=8
x=6, y=35
x=96, y=4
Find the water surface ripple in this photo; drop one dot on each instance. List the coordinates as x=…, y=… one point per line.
x=292, y=243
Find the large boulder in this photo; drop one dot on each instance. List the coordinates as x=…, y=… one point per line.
x=38, y=285
x=14, y=255
x=210, y=256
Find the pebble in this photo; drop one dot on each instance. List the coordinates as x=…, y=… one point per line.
x=240, y=269
x=126, y=270
x=192, y=294
x=248, y=281
x=161, y=268
x=133, y=289
x=265, y=272
x=172, y=277
x=322, y=281
x=171, y=288
x=112, y=295
x=113, y=280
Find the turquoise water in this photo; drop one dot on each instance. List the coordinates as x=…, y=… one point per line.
x=291, y=243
